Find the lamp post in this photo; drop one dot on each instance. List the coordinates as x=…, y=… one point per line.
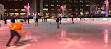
x=27, y=8
x=63, y=8
x=107, y=8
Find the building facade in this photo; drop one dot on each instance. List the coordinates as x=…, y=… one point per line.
x=51, y=8
x=75, y=7
x=1, y=11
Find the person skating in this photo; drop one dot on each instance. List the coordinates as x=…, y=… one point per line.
x=13, y=20
x=14, y=28
x=45, y=19
x=57, y=22
x=60, y=20
x=36, y=21
x=28, y=20
x=72, y=19
x=5, y=20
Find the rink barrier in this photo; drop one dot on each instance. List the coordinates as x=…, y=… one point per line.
x=64, y=19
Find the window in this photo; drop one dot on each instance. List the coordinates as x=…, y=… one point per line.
x=87, y=5
x=70, y=9
x=81, y=1
x=58, y=5
x=52, y=5
x=5, y=10
x=15, y=0
x=11, y=14
x=52, y=1
x=52, y=9
x=57, y=1
x=16, y=14
x=22, y=13
x=81, y=9
x=11, y=9
x=16, y=9
x=74, y=5
x=46, y=9
x=22, y=9
x=46, y=5
x=82, y=5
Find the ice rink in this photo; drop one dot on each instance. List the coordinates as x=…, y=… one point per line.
x=80, y=35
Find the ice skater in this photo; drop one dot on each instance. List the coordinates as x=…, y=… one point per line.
x=28, y=20
x=13, y=30
x=60, y=19
x=72, y=19
x=36, y=21
x=13, y=20
x=5, y=20
x=57, y=22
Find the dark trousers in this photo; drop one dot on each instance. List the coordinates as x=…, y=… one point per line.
x=57, y=24
x=60, y=20
x=46, y=19
x=28, y=21
x=5, y=22
x=36, y=23
x=14, y=33
x=72, y=21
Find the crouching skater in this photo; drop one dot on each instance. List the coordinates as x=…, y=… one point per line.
x=13, y=30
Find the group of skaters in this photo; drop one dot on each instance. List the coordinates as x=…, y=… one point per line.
x=36, y=20
x=58, y=20
x=45, y=20
x=15, y=26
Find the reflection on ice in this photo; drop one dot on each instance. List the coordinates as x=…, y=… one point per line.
x=69, y=42
x=106, y=37
x=63, y=34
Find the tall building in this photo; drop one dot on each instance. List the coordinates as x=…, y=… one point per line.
x=75, y=7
